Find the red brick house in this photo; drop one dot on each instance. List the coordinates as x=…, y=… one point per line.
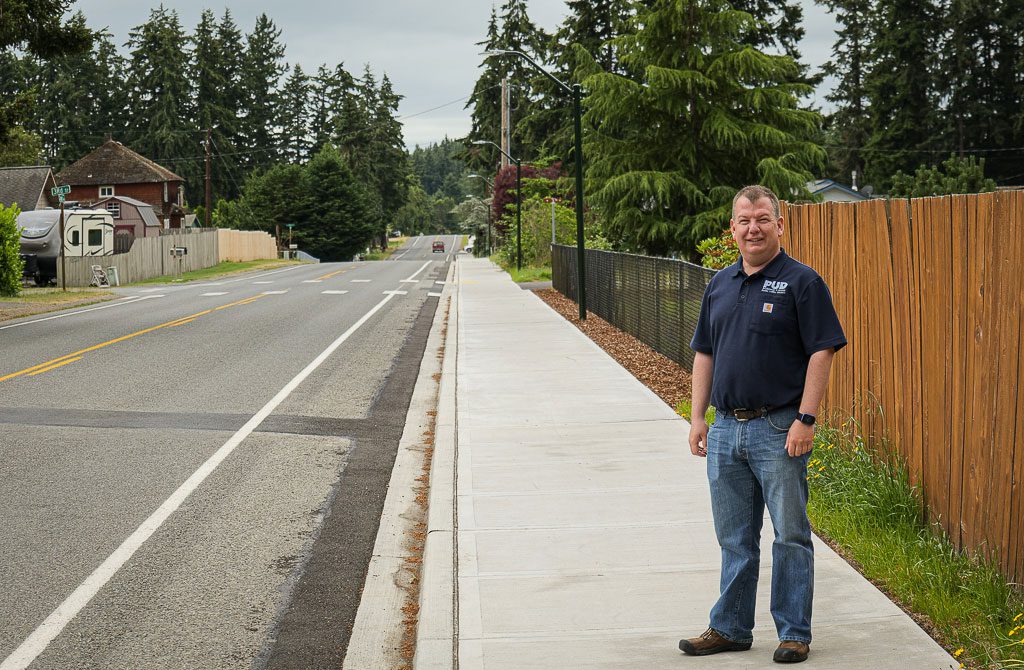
x=115, y=170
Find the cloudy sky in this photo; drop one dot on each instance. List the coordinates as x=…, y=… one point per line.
x=427, y=48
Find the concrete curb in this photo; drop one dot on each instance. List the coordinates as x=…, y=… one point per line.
x=377, y=631
x=437, y=634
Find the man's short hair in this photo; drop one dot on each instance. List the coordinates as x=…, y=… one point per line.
x=755, y=192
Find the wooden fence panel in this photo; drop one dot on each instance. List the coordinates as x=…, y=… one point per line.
x=930, y=295
x=149, y=257
x=245, y=245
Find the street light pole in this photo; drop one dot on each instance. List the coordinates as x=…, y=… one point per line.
x=519, y=201
x=577, y=109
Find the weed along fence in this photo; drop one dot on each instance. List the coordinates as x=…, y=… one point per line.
x=656, y=300
x=245, y=245
x=150, y=257
x=930, y=292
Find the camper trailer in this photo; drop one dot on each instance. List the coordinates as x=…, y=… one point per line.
x=87, y=232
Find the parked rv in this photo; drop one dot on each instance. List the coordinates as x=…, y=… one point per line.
x=87, y=232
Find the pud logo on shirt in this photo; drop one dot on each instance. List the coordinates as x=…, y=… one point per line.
x=776, y=287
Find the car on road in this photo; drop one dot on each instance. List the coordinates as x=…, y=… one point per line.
x=438, y=246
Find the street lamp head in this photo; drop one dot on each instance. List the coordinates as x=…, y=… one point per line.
x=495, y=52
x=481, y=142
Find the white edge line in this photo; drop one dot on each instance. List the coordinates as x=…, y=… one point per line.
x=51, y=627
x=424, y=267
x=116, y=303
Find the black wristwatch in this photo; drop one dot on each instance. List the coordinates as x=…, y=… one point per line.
x=807, y=419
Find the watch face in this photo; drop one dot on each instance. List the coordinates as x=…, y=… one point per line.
x=807, y=418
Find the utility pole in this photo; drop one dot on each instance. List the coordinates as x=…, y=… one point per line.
x=209, y=190
x=505, y=135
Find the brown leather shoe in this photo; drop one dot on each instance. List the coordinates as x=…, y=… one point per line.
x=791, y=651
x=710, y=642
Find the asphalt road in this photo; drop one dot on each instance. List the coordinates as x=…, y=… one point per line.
x=192, y=476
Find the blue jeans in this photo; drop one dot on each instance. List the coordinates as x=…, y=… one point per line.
x=748, y=467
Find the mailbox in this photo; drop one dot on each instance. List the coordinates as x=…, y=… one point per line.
x=179, y=251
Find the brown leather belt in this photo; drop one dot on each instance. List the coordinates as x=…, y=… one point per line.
x=748, y=414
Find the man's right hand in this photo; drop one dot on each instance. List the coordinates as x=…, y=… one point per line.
x=699, y=437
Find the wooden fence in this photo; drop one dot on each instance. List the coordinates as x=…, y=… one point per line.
x=245, y=245
x=930, y=293
x=149, y=257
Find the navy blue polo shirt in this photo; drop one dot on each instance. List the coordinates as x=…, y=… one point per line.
x=761, y=331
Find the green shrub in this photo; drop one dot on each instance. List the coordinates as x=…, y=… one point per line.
x=718, y=252
x=11, y=264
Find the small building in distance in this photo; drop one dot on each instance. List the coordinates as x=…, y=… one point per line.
x=113, y=169
x=26, y=187
x=131, y=216
x=833, y=191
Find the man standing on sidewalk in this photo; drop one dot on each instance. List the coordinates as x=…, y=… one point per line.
x=764, y=345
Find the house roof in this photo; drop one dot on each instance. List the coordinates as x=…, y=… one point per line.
x=114, y=163
x=22, y=186
x=819, y=186
x=144, y=208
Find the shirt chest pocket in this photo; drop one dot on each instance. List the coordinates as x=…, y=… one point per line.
x=772, y=314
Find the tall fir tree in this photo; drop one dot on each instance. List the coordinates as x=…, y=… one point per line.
x=849, y=124
x=37, y=28
x=327, y=90
x=293, y=135
x=160, y=96
x=901, y=88
x=591, y=25
x=261, y=74
x=485, y=100
x=213, y=110
x=391, y=162
x=709, y=114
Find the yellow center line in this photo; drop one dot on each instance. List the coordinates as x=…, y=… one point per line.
x=48, y=365
x=328, y=276
x=56, y=365
x=180, y=323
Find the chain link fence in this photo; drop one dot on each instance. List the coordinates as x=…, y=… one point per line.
x=656, y=300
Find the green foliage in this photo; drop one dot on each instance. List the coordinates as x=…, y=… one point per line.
x=956, y=175
x=536, y=231
x=700, y=115
x=21, y=148
x=11, y=264
x=38, y=28
x=718, y=252
x=439, y=169
x=862, y=499
x=341, y=219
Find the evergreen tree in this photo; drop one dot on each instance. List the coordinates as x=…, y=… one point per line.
x=486, y=99
x=957, y=175
x=438, y=168
x=328, y=90
x=37, y=28
x=261, y=73
x=849, y=123
x=901, y=87
x=21, y=148
x=341, y=220
x=709, y=115
x=390, y=160
x=111, y=96
x=293, y=117
x=591, y=26
x=226, y=130
x=517, y=33
x=213, y=110
x=160, y=95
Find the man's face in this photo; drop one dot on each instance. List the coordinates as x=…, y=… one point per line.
x=756, y=230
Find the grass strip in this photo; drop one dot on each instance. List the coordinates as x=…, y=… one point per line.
x=863, y=503
x=221, y=269
x=393, y=244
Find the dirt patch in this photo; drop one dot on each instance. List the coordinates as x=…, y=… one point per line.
x=25, y=305
x=657, y=372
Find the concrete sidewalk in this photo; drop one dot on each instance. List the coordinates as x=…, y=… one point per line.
x=571, y=528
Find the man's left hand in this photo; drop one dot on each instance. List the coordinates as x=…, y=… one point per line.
x=800, y=439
